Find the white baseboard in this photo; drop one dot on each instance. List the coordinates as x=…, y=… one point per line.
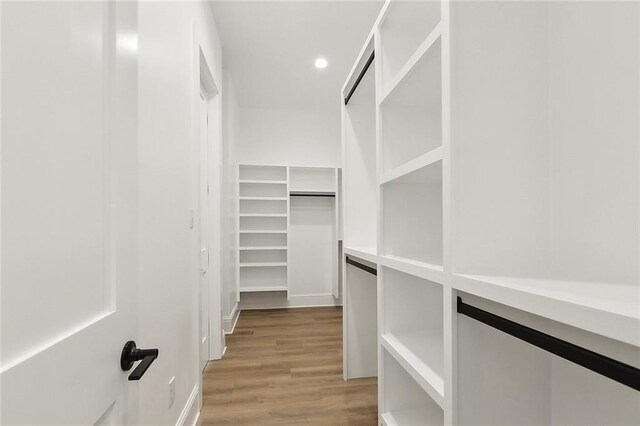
x=229, y=322
x=250, y=301
x=191, y=411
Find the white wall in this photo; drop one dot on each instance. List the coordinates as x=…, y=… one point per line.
x=168, y=260
x=289, y=136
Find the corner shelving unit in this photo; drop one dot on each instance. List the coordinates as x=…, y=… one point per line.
x=262, y=237
x=280, y=206
x=510, y=197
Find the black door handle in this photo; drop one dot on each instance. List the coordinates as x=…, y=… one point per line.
x=131, y=354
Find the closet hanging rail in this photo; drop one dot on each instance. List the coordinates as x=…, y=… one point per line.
x=311, y=194
x=360, y=77
x=608, y=367
x=362, y=266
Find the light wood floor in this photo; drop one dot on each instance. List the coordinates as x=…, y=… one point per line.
x=285, y=367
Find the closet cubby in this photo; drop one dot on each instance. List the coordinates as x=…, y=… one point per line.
x=404, y=28
x=250, y=240
x=263, y=278
x=263, y=256
x=259, y=173
x=412, y=328
x=263, y=189
x=504, y=380
x=404, y=402
x=263, y=207
x=411, y=113
x=412, y=216
x=312, y=179
x=263, y=223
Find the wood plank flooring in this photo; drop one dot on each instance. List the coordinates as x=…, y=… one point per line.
x=284, y=367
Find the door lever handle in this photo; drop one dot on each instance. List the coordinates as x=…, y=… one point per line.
x=131, y=354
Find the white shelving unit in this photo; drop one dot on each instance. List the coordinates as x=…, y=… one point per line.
x=503, y=169
x=288, y=230
x=263, y=221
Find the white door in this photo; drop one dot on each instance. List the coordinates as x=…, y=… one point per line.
x=68, y=211
x=204, y=233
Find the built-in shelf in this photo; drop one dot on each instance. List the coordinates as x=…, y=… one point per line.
x=412, y=216
x=366, y=253
x=263, y=231
x=411, y=112
x=312, y=193
x=268, y=182
x=262, y=198
x=411, y=63
x=260, y=248
x=404, y=28
x=424, y=160
x=422, y=357
x=416, y=268
x=263, y=215
x=259, y=289
x=262, y=264
x=607, y=309
x=413, y=417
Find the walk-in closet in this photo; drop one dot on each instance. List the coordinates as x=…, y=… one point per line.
x=320, y=212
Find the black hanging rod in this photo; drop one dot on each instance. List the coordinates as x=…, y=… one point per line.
x=311, y=194
x=608, y=367
x=360, y=77
x=362, y=266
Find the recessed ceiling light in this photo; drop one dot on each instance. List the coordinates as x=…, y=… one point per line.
x=321, y=63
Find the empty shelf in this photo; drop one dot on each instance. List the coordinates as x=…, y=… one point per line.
x=263, y=198
x=421, y=355
x=424, y=270
x=263, y=231
x=247, y=248
x=266, y=288
x=420, y=416
x=263, y=215
x=607, y=309
x=261, y=264
x=424, y=160
x=259, y=181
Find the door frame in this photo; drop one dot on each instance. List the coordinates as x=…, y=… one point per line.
x=204, y=82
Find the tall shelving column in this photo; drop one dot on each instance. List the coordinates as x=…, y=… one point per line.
x=412, y=162
x=263, y=228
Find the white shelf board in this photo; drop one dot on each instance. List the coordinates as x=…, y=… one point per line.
x=315, y=192
x=424, y=160
x=249, y=248
x=259, y=289
x=263, y=215
x=259, y=181
x=414, y=417
x=422, y=357
x=263, y=198
x=261, y=264
x=411, y=63
x=428, y=271
x=365, y=253
x=611, y=310
x=263, y=231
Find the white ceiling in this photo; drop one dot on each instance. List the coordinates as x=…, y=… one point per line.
x=270, y=48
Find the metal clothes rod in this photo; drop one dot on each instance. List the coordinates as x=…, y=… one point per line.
x=362, y=266
x=360, y=77
x=608, y=367
x=311, y=194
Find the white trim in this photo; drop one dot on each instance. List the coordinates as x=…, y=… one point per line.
x=190, y=410
x=294, y=301
x=231, y=320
